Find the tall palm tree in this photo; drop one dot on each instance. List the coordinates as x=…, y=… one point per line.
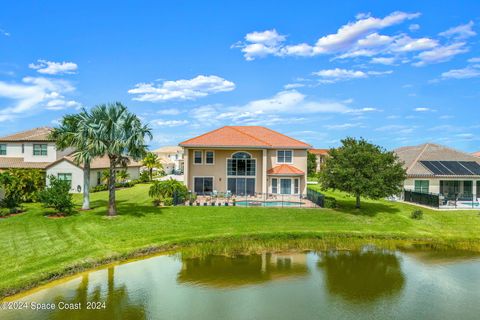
x=120, y=135
x=151, y=161
x=68, y=135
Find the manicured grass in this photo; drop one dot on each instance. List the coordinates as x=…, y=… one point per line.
x=36, y=248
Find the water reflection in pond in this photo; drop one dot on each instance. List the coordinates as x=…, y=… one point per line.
x=369, y=284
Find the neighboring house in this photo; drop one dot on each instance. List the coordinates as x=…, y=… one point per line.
x=171, y=158
x=245, y=160
x=320, y=155
x=432, y=168
x=476, y=154
x=31, y=149
x=66, y=169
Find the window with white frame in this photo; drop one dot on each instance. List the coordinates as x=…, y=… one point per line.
x=3, y=149
x=284, y=156
x=209, y=157
x=296, y=186
x=274, y=185
x=40, y=149
x=197, y=157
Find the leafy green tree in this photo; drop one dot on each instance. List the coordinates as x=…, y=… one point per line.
x=151, y=161
x=168, y=189
x=311, y=164
x=12, y=192
x=120, y=135
x=67, y=135
x=57, y=196
x=362, y=170
x=29, y=183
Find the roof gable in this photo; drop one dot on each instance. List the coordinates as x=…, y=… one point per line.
x=244, y=136
x=36, y=134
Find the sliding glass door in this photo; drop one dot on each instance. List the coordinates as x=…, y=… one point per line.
x=203, y=185
x=241, y=186
x=286, y=186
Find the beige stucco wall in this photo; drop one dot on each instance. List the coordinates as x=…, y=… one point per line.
x=219, y=169
x=434, y=184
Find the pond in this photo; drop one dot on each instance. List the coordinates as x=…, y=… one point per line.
x=365, y=284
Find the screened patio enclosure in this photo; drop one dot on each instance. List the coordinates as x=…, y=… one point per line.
x=460, y=189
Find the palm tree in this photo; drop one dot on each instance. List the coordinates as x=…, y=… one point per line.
x=151, y=161
x=123, y=176
x=120, y=135
x=69, y=135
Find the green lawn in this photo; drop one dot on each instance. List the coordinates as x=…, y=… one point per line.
x=35, y=248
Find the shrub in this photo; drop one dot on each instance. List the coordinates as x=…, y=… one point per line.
x=168, y=201
x=28, y=183
x=162, y=190
x=100, y=187
x=144, y=177
x=57, y=196
x=12, y=192
x=330, y=202
x=417, y=214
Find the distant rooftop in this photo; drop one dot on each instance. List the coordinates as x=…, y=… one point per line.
x=415, y=158
x=320, y=152
x=37, y=134
x=245, y=136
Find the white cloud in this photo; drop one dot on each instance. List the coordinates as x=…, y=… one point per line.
x=169, y=112
x=465, y=73
x=52, y=68
x=463, y=31
x=440, y=54
x=407, y=44
x=293, y=86
x=362, y=33
x=169, y=123
x=343, y=126
x=191, y=89
x=383, y=60
x=34, y=94
x=474, y=60
x=414, y=27
x=337, y=74
x=423, y=109
x=4, y=32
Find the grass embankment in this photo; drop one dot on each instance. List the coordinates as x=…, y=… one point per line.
x=36, y=249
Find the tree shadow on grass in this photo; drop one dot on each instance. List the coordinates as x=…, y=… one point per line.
x=367, y=207
x=125, y=208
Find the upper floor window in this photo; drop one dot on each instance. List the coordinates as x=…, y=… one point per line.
x=39, y=149
x=284, y=156
x=3, y=149
x=241, y=164
x=209, y=157
x=197, y=157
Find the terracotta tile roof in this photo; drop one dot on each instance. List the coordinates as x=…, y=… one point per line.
x=285, y=169
x=244, y=136
x=97, y=163
x=476, y=154
x=9, y=162
x=37, y=134
x=319, y=151
x=412, y=155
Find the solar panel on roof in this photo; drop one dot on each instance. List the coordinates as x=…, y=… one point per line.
x=430, y=166
x=457, y=168
x=448, y=168
x=443, y=167
x=473, y=166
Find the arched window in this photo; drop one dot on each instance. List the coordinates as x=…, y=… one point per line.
x=241, y=155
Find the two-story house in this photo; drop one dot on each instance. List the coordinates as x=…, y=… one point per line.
x=171, y=158
x=245, y=160
x=31, y=149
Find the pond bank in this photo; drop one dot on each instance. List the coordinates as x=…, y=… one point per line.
x=255, y=244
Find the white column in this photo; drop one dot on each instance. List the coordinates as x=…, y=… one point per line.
x=474, y=190
x=264, y=171
x=185, y=167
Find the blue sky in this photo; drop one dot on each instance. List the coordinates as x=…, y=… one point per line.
x=396, y=73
